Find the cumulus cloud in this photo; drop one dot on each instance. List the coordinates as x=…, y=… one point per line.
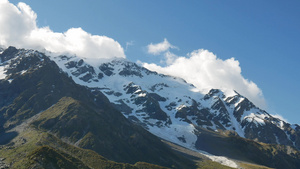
x=18, y=28
x=203, y=69
x=158, y=48
x=169, y=58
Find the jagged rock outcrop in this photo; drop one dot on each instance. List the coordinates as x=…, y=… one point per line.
x=166, y=106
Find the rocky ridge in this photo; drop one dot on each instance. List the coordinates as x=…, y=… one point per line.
x=41, y=106
x=168, y=107
x=164, y=104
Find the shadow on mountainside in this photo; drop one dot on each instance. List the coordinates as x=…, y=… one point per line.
x=5, y=138
x=271, y=155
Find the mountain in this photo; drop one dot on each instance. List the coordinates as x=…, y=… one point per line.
x=79, y=111
x=43, y=110
x=159, y=102
x=174, y=110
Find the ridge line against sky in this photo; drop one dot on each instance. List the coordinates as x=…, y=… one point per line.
x=206, y=71
x=165, y=56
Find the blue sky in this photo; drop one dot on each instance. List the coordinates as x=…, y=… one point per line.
x=264, y=36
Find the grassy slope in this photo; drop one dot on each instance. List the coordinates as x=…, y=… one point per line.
x=34, y=148
x=95, y=125
x=77, y=116
x=107, y=133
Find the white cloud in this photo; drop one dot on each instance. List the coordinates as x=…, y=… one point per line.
x=280, y=117
x=18, y=28
x=130, y=43
x=203, y=69
x=169, y=58
x=158, y=48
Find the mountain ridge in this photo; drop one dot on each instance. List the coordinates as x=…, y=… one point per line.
x=166, y=106
x=138, y=87
x=34, y=86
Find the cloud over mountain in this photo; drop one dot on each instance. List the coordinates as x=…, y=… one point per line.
x=203, y=69
x=159, y=47
x=18, y=28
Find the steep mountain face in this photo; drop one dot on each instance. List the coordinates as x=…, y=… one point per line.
x=35, y=93
x=39, y=90
x=235, y=147
x=173, y=109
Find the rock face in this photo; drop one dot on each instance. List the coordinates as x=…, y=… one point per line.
x=164, y=104
x=32, y=83
x=35, y=91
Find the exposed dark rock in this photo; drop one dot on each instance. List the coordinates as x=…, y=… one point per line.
x=214, y=92
x=84, y=69
x=243, y=106
x=131, y=88
x=118, y=94
x=152, y=108
x=193, y=113
x=131, y=70
x=106, y=69
x=157, y=97
x=109, y=92
x=140, y=100
x=158, y=87
x=182, y=139
x=171, y=106
x=223, y=116
x=86, y=77
x=8, y=53
x=71, y=64
x=100, y=75
x=80, y=62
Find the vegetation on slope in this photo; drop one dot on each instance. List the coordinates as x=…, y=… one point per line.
x=72, y=113
x=36, y=149
x=72, y=127
x=105, y=132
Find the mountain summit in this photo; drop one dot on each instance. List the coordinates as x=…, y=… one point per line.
x=108, y=107
x=42, y=106
x=172, y=109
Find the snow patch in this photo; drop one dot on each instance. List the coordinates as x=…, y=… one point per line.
x=239, y=101
x=142, y=95
x=222, y=160
x=2, y=72
x=256, y=118
x=281, y=125
x=235, y=124
x=23, y=71
x=180, y=107
x=175, y=131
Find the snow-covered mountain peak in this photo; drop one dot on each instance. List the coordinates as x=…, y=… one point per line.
x=1, y=49
x=117, y=70
x=167, y=106
x=163, y=103
x=18, y=61
x=214, y=93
